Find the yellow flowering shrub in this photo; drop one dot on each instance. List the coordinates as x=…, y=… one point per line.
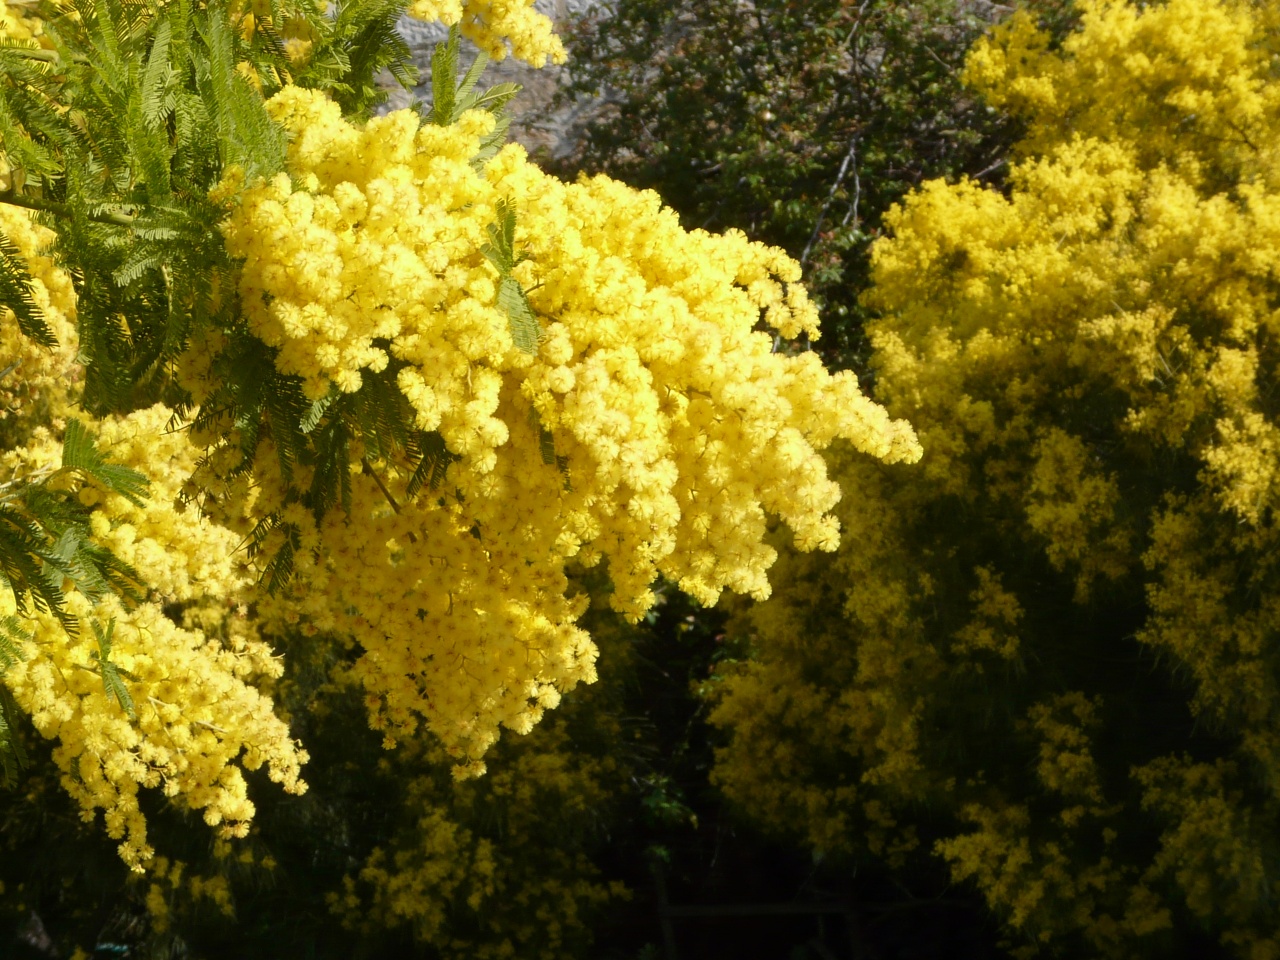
x=538, y=373
x=195, y=717
x=1057, y=633
x=638, y=416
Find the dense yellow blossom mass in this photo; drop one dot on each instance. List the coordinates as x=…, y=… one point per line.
x=1060, y=628
x=599, y=384
x=676, y=427
x=197, y=717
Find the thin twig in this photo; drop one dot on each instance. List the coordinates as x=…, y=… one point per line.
x=368, y=468
x=849, y=157
x=36, y=53
x=991, y=169
x=61, y=209
x=27, y=479
x=852, y=212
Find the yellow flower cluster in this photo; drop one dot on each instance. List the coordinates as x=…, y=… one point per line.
x=492, y=24
x=1142, y=284
x=1090, y=362
x=651, y=422
x=195, y=711
x=1194, y=79
x=196, y=718
x=814, y=700
x=642, y=415
x=34, y=381
x=1212, y=836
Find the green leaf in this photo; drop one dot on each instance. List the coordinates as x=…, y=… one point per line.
x=331, y=479
x=112, y=683
x=451, y=99
x=547, y=447
x=444, y=79
x=156, y=97
x=493, y=99
x=434, y=465
x=468, y=83
x=16, y=293
x=525, y=330
x=141, y=261
x=359, y=41
x=317, y=411
x=116, y=690
x=247, y=134
x=279, y=568
x=12, y=635
x=28, y=124
x=23, y=559
x=285, y=406
x=491, y=144
x=500, y=250
x=79, y=452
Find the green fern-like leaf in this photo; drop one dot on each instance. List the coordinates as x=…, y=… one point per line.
x=80, y=452
x=547, y=447
x=157, y=94
x=28, y=566
x=383, y=415
x=525, y=330
x=278, y=569
x=285, y=407
x=331, y=478
x=451, y=97
x=114, y=574
x=501, y=253
x=317, y=411
x=16, y=294
x=463, y=100
x=501, y=248
x=12, y=635
x=143, y=260
x=358, y=43
x=444, y=79
x=112, y=681
x=494, y=99
x=433, y=464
